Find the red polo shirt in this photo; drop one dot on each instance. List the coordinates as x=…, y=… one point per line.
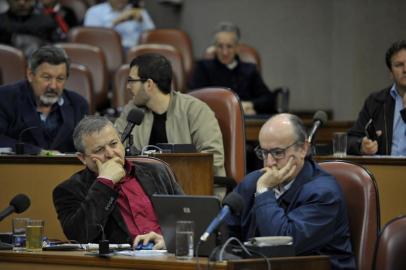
x=135, y=206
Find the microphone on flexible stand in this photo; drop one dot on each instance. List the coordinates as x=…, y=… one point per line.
x=19, y=146
x=104, y=248
x=134, y=117
x=18, y=204
x=234, y=204
x=319, y=119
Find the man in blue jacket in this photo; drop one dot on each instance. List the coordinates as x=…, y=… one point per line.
x=293, y=196
x=38, y=111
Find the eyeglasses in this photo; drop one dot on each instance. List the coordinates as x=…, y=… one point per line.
x=276, y=153
x=131, y=80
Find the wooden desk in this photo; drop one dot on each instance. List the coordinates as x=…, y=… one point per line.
x=38, y=176
x=194, y=171
x=324, y=135
x=78, y=261
x=390, y=176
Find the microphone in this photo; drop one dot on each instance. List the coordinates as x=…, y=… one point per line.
x=18, y=204
x=233, y=203
x=20, y=144
x=319, y=118
x=104, y=248
x=134, y=117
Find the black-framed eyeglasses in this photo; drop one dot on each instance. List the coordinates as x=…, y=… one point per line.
x=131, y=80
x=276, y=153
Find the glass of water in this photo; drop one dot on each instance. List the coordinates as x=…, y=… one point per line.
x=340, y=144
x=19, y=228
x=184, y=239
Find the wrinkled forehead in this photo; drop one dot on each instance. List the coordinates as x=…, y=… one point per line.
x=100, y=138
x=47, y=68
x=276, y=134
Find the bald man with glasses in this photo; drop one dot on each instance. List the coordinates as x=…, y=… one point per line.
x=292, y=196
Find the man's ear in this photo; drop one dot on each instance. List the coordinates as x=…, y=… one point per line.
x=81, y=157
x=29, y=74
x=150, y=84
x=306, y=148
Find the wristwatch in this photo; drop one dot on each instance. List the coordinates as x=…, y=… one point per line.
x=262, y=190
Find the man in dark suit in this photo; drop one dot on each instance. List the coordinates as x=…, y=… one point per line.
x=227, y=70
x=38, y=111
x=293, y=196
x=386, y=110
x=24, y=28
x=112, y=195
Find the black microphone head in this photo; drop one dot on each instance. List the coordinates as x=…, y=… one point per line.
x=320, y=116
x=235, y=202
x=135, y=116
x=20, y=202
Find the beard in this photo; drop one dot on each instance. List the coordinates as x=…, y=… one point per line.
x=141, y=98
x=49, y=98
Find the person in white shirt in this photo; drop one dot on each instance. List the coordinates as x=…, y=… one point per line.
x=128, y=20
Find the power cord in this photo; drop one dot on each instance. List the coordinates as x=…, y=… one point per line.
x=250, y=252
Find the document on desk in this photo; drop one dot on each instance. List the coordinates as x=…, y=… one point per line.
x=143, y=253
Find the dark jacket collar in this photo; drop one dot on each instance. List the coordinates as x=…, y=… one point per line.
x=28, y=105
x=307, y=174
x=383, y=95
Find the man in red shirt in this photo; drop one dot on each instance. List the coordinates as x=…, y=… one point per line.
x=112, y=194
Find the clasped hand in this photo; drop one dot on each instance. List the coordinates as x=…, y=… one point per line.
x=272, y=176
x=130, y=14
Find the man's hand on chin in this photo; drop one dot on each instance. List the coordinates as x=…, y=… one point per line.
x=274, y=176
x=112, y=169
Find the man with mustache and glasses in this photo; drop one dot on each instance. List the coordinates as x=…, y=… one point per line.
x=38, y=111
x=293, y=196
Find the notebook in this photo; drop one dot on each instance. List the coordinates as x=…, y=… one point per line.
x=200, y=209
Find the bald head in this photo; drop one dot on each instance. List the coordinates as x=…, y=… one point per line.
x=286, y=133
x=284, y=125
x=278, y=126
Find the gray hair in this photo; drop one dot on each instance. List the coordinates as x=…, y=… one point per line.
x=51, y=55
x=227, y=27
x=299, y=129
x=87, y=126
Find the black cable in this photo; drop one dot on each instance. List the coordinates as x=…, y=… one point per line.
x=197, y=254
x=268, y=263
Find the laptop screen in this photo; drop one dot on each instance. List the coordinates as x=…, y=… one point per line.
x=200, y=209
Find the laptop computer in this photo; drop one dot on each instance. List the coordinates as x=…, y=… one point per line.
x=200, y=209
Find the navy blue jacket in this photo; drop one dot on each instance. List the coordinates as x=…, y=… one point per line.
x=245, y=80
x=312, y=211
x=18, y=111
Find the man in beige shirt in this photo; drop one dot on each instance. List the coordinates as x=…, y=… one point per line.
x=170, y=116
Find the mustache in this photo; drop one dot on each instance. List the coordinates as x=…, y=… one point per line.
x=51, y=91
